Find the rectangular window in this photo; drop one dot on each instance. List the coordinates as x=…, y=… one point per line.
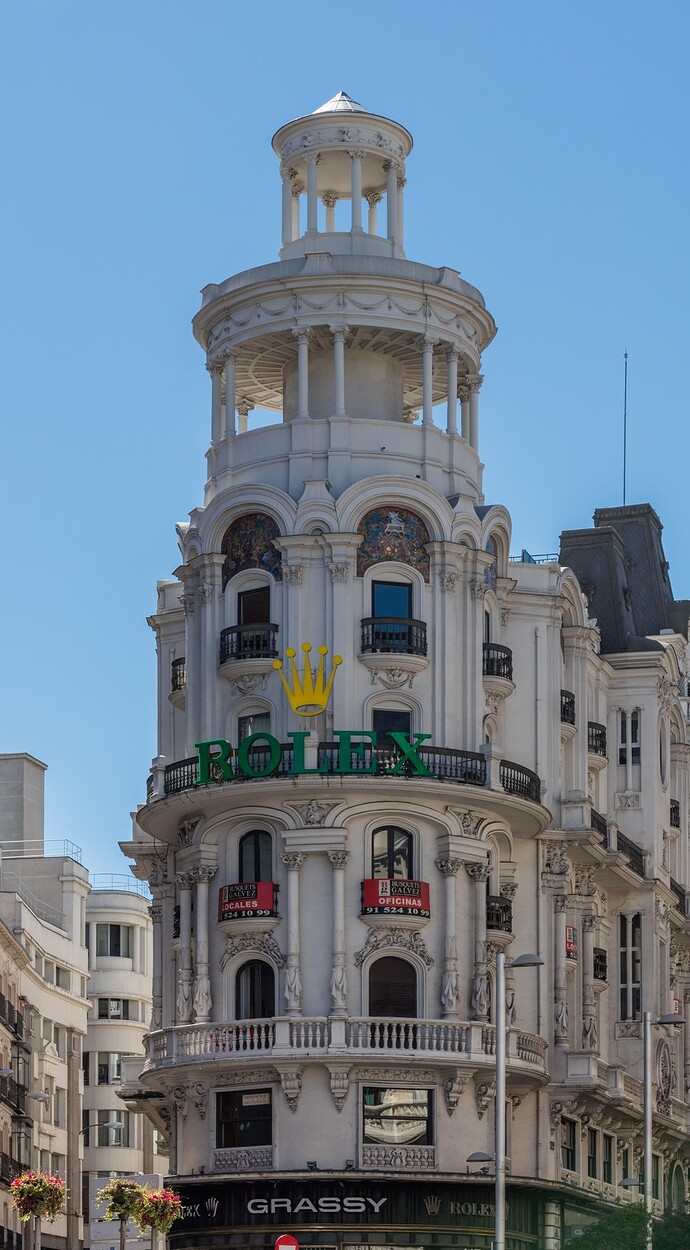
x=255, y=723
x=244, y=1118
x=568, y=1144
x=114, y=940
x=630, y=966
x=655, y=1176
x=85, y=1061
x=592, y=1152
x=625, y=1163
x=629, y=736
x=109, y=1068
x=384, y=720
x=397, y=1117
x=607, y=1158
x=254, y=606
x=62, y=978
x=113, y=1128
x=392, y=600
x=114, y=1009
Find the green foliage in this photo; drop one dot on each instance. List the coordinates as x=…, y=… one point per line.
x=618, y=1228
x=122, y=1196
x=672, y=1232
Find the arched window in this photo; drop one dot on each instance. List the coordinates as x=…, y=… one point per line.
x=255, y=856
x=255, y=994
x=391, y=854
x=393, y=988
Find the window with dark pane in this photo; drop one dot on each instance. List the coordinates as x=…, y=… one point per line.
x=392, y=988
x=392, y=854
x=243, y=1118
x=255, y=991
x=386, y=720
x=255, y=856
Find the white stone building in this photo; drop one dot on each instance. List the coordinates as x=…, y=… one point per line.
x=118, y=934
x=491, y=769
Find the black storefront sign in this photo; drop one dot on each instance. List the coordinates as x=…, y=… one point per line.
x=302, y=1205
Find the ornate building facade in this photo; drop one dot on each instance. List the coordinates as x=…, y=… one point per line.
x=388, y=752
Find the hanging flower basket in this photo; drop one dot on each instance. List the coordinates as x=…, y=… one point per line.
x=158, y=1209
x=121, y=1196
x=35, y=1193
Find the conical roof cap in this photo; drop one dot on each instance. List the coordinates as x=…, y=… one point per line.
x=341, y=103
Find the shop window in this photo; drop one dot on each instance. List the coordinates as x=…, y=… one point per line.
x=392, y=854
x=392, y=988
x=244, y=1118
x=397, y=1117
x=255, y=994
x=255, y=856
x=114, y=940
x=568, y=1144
x=630, y=966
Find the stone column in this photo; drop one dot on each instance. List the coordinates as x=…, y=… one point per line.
x=297, y=189
x=339, y=334
x=356, y=190
x=302, y=337
x=560, y=1009
x=373, y=200
x=428, y=345
x=450, y=995
x=311, y=161
x=479, y=873
x=202, y=985
x=339, y=860
x=391, y=200
x=155, y=913
x=287, y=208
x=474, y=381
x=293, y=979
x=402, y=182
x=244, y=408
x=329, y=202
x=184, y=882
x=452, y=360
x=215, y=368
x=464, y=392
x=590, y=1032
x=230, y=363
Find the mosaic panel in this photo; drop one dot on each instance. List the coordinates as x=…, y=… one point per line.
x=393, y=534
x=248, y=544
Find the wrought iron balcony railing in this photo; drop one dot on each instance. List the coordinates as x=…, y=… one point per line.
x=596, y=738
x=499, y=913
x=178, y=675
x=674, y=814
x=249, y=642
x=497, y=661
x=567, y=707
x=393, y=635
x=600, y=964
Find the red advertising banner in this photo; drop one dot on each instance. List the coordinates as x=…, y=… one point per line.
x=395, y=897
x=246, y=898
x=571, y=942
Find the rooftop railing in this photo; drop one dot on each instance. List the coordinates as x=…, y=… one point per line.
x=121, y=882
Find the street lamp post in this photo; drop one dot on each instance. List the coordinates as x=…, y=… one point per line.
x=522, y=961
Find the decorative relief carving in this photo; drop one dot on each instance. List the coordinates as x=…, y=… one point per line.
x=392, y=678
x=244, y=1159
x=248, y=682
x=312, y=814
x=263, y=943
x=627, y=800
x=402, y=1158
x=293, y=575
x=187, y=830
x=555, y=862
x=452, y=1089
x=479, y=873
x=381, y=939
x=666, y=692
x=584, y=881
x=478, y=590
x=449, y=580
x=484, y=1092
x=449, y=867
x=340, y=1085
x=249, y=1076
x=470, y=824
x=509, y=890
x=291, y=1083
x=293, y=860
x=339, y=859
x=340, y=572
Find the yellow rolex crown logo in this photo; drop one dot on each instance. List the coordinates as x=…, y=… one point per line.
x=310, y=692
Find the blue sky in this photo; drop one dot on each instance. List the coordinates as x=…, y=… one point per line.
x=550, y=167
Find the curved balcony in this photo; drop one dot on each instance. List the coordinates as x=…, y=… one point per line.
x=178, y=682
x=674, y=814
x=497, y=661
x=499, y=914
x=567, y=707
x=321, y=1037
x=393, y=635
x=248, y=642
x=596, y=739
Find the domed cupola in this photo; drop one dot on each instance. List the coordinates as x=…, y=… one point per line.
x=333, y=160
